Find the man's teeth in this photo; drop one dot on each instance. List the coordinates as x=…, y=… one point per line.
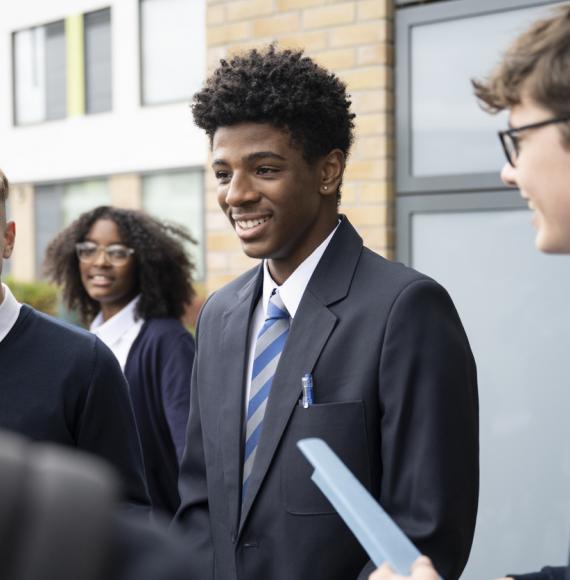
x=248, y=224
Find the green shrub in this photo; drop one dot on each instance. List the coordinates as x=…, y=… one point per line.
x=40, y=295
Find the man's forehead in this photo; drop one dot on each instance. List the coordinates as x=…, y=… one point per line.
x=251, y=141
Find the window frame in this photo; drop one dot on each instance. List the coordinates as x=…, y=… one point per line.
x=406, y=20
x=201, y=242
x=409, y=205
x=85, y=79
x=13, y=92
x=166, y=102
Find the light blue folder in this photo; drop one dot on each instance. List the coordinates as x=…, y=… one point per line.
x=373, y=527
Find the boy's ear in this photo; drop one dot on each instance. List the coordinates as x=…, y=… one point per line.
x=9, y=239
x=332, y=169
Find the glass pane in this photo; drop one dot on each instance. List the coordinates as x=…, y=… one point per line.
x=82, y=196
x=178, y=197
x=173, y=49
x=513, y=301
x=47, y=214
x=450, y=133
x=56, y=71
x=98, y=80
x=29, y=75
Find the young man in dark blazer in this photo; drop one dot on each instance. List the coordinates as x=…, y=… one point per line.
x=394, y=383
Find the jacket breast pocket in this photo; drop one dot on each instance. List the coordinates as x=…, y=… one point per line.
x=343, y=427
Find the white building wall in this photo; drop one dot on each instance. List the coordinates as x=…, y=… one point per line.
x=131, y=138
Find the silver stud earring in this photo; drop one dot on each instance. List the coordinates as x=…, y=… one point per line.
x=325, y=187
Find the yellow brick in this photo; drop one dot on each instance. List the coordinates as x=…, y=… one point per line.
x=370, y=77
x=328, y=16
x=242, y=262
x=216, y=281
x=372, y=101
x=370, y=9
x=371, y=215
x=348, y=192
x=242, y=47
x=217, y=261
x=366, y=169
x=377, y=192
x=377, y=238
x=276, y=25
x=380, y=53
x=373, y=147
x=214, y=55
x=284, y=5
x=355, y=34
x=310, y=41
x=248, y=9
x=216, y=15
x=373, y=123
x=228, y=33
x=337, y=59
x=217, y=242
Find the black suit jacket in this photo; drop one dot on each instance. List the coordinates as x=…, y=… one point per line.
x=395, y=396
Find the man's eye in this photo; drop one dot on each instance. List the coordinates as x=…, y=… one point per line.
x=266, y=170
x=222, y=175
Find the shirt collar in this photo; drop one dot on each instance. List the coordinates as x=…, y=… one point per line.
x=111, y=330
x=9, y=312
x=292, y=290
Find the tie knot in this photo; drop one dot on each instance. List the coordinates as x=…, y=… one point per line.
x=276, y=309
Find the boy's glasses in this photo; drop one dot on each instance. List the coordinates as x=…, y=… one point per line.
x=510, y=137
x=116, y=254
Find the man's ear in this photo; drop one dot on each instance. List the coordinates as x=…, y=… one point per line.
x=332, y=169
x=9, y=239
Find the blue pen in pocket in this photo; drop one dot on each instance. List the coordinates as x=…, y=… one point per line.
x=307, y=381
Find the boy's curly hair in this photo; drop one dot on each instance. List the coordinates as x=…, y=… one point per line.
x=163, y=269
x=283, y=88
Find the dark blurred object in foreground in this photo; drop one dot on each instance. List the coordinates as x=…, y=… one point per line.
x=59, y=520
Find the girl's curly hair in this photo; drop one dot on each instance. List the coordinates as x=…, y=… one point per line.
x=163, y=269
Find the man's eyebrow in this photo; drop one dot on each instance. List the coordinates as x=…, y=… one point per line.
x=253, y=157
x=264, y=155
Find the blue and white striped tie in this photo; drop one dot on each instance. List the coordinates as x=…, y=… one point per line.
x=268, y=348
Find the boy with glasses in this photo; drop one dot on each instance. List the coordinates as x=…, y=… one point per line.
x=533, y=83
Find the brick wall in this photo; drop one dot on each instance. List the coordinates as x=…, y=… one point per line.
x=354, y=39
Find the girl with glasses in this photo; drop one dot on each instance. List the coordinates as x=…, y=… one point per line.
x=130, y=278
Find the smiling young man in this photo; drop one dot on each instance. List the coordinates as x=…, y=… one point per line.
x=532, y=82
x=62, y=385
x=393, y=378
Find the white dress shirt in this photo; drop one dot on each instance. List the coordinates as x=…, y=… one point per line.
x=120, y=331
x=9, y=312
x=291, y=292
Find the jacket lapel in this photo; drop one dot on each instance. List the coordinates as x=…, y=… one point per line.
x=235, y=336
x=309, y=333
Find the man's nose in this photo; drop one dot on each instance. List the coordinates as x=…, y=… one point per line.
x=240, y=191
x=509, y=175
